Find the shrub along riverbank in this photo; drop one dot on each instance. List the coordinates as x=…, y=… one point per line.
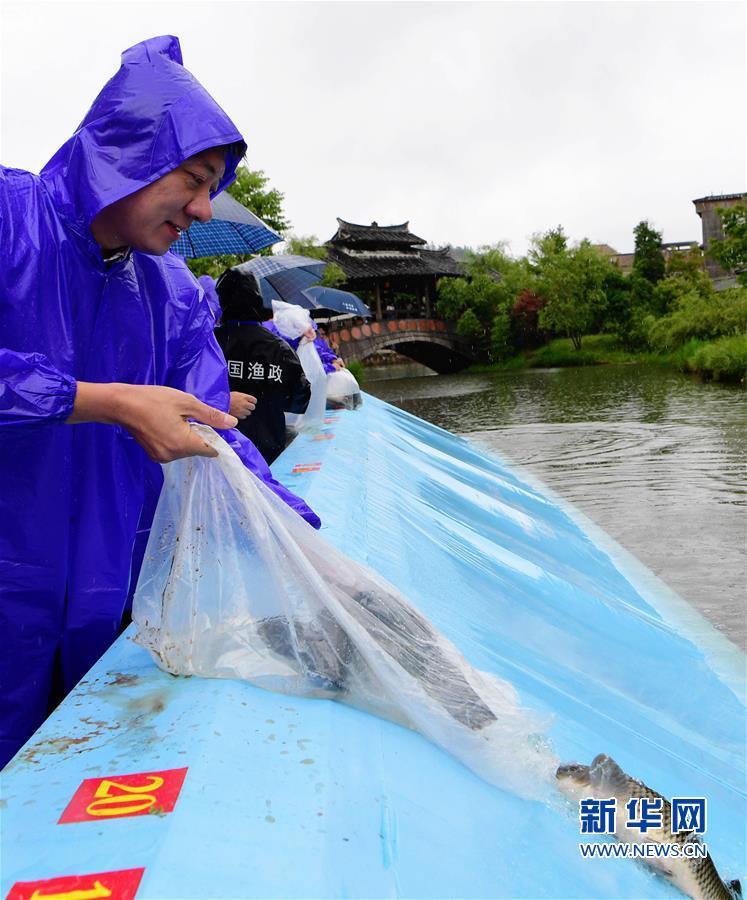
x=724, y=359
x=564, y=305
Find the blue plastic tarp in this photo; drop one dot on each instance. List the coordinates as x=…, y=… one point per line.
x=286, y=797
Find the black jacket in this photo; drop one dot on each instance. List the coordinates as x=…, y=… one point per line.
x=263, y=365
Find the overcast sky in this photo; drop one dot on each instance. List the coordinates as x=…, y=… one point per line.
x=477, y=122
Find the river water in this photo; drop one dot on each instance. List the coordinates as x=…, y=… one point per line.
x=656, y=459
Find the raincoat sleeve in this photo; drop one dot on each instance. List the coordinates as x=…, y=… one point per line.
x=31, y=388
x=326, y=354
x=202, y=371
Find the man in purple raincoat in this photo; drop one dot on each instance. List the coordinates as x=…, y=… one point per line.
x=100, y=325
x=330, y=360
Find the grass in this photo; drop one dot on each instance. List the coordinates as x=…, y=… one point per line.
x=357, y=370
x=724, y=359
x=596, y=350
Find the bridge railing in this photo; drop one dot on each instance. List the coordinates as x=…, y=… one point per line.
x=346, y=333
x=432, y=342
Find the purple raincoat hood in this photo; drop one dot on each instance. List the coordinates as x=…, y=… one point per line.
x=76, y=499
x=151, y=116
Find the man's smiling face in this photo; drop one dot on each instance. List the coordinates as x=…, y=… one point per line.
x=151, y=219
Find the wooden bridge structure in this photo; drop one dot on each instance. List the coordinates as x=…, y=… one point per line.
x=432, y=342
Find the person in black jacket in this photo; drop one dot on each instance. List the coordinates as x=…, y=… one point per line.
x=259, y=363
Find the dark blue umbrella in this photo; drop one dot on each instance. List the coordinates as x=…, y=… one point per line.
x=281, y=277
x=330, y=298
x=233, y=229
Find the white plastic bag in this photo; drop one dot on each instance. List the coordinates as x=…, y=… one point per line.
x=343, y=390
x=291, y=320
x=236, y=585
x=313, y=369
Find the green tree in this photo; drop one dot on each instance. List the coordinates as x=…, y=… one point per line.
x=501, y=338
x=553, y=244
x=333, y=276
x=473, y=304
x=453, y=298
x=305, y=245
x=469, y=325
x=572, y=282
x=723, y=314
x=308, y=245
x=648, y=261
x=512, y=276
x=618, y=291
x=250, y=189
x=689, y=264
x=685, y=275
x=731, y=252
x=489, y=289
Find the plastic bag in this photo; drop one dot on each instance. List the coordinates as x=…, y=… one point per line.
x=343, y=390
x=313, y=369
x=236, y=585
x=291, y=320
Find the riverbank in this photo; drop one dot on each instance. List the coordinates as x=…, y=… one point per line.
x=723, y=360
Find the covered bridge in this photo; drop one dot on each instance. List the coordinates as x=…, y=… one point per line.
x=383, y=262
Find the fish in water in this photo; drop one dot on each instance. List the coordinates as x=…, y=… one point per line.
x=604, y=779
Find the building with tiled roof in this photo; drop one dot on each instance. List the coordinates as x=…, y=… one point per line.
x=382, y=261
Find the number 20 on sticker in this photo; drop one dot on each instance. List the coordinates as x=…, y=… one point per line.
x=117, y=796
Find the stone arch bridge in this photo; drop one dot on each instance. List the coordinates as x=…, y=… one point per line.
x=428, y=341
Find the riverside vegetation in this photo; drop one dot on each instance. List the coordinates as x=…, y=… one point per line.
x=567, y=305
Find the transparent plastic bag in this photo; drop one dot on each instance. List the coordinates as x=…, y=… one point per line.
x=234, y=584
x=313, y=369
x=343, y=390
x=291, y=320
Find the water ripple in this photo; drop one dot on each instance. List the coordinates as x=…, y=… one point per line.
x=659, y=461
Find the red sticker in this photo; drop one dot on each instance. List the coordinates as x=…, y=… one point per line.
x=121, y=885
x=323, y=437
x=145, y=793
x=306, y=467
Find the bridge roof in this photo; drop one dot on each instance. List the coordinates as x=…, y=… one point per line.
x=424, y=262
x=348, y=233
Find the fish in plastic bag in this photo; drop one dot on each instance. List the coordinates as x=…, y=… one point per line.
x=235, y=585
x=343, y=390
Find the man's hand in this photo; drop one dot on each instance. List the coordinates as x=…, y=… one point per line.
x=338, y=363
x=155, y=416
x=242, y=405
